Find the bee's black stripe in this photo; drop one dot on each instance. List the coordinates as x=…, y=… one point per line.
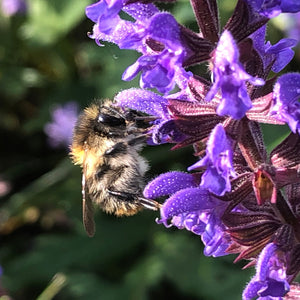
x=118, y=148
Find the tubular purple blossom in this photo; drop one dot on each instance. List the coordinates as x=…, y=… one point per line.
x=230, y=77
x=277, y=56
x=218, y=161
x=164, y=69
x=192, y=208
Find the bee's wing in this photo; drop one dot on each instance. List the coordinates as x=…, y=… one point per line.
x=87, y=207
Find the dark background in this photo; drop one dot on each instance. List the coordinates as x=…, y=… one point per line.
x=46, y=59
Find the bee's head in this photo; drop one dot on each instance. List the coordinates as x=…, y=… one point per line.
x=109, y=122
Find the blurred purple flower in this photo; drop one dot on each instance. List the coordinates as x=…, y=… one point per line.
x=60, y=129
x=272, y=8
x=12, y=7
x=230, y=76
x=5, y=188
x=292, y=25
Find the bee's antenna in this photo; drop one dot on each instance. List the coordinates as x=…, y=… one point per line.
x=111, y=109
x=145, y=118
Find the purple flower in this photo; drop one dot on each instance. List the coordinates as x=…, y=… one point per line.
x=156, y=35
x=186, y=196
x=272, y=8
x=12, y=7
x=169, y=183
x=279, y=55
x=281, y=52
x=5, y=188
x=270, y=280
x=192, y=208
x=110, y=27
x=290, y=23
x=218, y=161
x=163, y=69
x=230, y=76
x=60, y=129
x=286, y=105
x=105, y=13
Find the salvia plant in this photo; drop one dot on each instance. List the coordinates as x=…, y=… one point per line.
x=237, y=197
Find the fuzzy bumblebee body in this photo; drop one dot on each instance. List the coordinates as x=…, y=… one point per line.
x=106, y=144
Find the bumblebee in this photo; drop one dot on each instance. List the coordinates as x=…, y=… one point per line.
x=106, y=144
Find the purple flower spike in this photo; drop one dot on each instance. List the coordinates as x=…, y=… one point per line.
x=168, y=184
x=286, y=94
x=218, y=160
x=270, y=281
x=230, y=76
x=237, y=198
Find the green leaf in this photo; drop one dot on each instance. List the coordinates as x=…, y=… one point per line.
x=50, y=20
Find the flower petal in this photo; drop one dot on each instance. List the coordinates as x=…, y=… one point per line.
x=286, y=94
x=168, y=184
x=143, y=100
x=184, y=201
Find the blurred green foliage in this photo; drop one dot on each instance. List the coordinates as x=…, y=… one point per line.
x=46, y=58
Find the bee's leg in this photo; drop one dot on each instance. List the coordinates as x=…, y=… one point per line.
x=147, y=203
x=140, y=139
x=123, y=195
